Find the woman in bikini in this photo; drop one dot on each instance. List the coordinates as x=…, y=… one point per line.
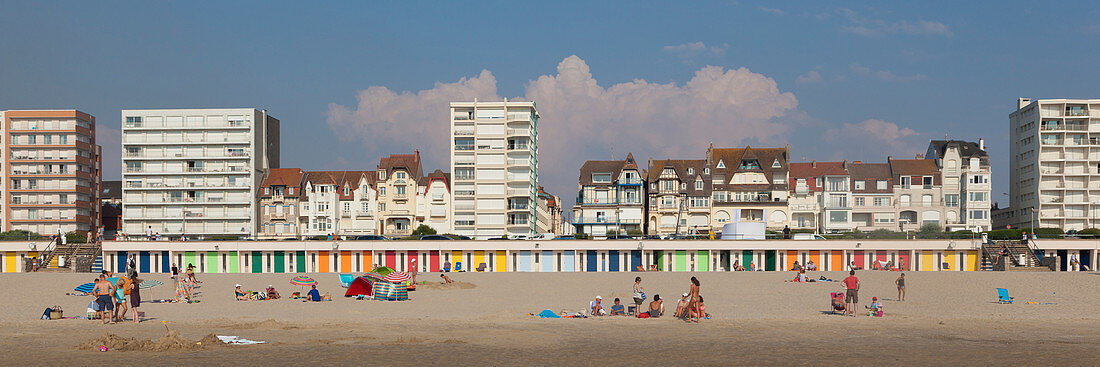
x=693, y=297
x=657, y=307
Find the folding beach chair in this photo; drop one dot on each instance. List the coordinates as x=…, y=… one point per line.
x=346, y=279
x=458, y=266
x=836, y=308
x=1002, y=296
x=482, y=267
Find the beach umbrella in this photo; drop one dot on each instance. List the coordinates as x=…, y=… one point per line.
x=85, y=288
x=373, y=277
x=146, y=284
x=397, y=277
x=303, y=280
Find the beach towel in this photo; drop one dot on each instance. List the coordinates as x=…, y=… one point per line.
x=547, y=314
x=237, y=341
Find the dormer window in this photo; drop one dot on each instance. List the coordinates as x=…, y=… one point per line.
x=347, y=190
x=750, y=164
x=698, y=184
x=400, y=174
x=601, y=177
x=683, y=186
x=691, y=171
x=721, y=164
x=668, y=171
x=381, y=174
x=776, y=164
x=290, y=191
x=706, y=171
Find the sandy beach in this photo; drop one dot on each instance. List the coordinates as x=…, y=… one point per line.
x=758, y=318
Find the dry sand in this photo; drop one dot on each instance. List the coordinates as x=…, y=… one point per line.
x=948, y=318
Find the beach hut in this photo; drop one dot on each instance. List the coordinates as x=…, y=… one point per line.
x=360, y=287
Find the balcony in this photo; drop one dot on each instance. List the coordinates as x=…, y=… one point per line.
x=604, y=220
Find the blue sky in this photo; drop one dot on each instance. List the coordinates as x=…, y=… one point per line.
x=352, y=82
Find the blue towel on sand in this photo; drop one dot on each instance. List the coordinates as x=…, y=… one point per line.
x=547, y=314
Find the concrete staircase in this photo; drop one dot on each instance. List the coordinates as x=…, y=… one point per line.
x=79, y=257
x=1016, y=251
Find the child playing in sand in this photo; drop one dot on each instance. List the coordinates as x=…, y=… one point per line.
x=446, y=279
x=875, y=308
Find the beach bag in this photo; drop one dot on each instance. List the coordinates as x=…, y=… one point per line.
x=643, y=315
x=56, y=313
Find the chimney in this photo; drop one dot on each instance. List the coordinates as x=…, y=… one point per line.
x=813, y=164
x=981, y=144
x=1022, y=102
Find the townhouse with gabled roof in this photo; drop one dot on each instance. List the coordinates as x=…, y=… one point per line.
x=279, y=193
x=966, y=190
x=748, y=185
x=917, y=192
x=433, y=198
x=872, y=197
x=610, y=199
x=398, y=175
x=678, y=197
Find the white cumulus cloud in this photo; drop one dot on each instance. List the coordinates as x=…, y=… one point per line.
x=582, y=119
x=811, y=77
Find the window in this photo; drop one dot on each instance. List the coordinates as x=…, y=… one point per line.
x=860, y=184
x=290, y=191
x=979, y=196
x=668, y=202
x=859, y=201
x=267, y=191
x=750, y=164
x=927, y=181
x=601, y=177
x=706, y=171
x=683, y=186
x=776, y=164
x=979, y=179
x=979, y=214
x=399, y=190
x=903, y=200
x=347, y=190
x=347, y=207
x=951, y=166
x=881, y=201
x=381, y=207
x=884, y=217
x=691, y=171
x=698, y=184
x=699, y=202
x=668, y=171
x=382, y=190
x=721, y=164
x=926, y=200
x=719, y=196
x=668, y=185
x=951, y=200
x=400, y=174
x=905, y=181
x=838, y=216
x=382, y=173
x=974, y=163
x=364, y=207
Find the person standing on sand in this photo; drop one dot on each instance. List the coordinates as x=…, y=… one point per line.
x=639, y=294
x=901, y=287
x=693, y=304
x=102, y=291
x=413, y=269
x=851, y=293
x=135, y=297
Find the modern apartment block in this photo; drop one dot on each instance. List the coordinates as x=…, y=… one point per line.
x=966, y=189
x=51, y=171
x=195, y=171
x=494, y=165
x=1054, y=177
x=611, y=198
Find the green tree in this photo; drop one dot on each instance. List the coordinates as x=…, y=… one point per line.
x=423, y=230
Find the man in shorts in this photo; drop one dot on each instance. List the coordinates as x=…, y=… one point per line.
x=102, y=291
x=851, y=294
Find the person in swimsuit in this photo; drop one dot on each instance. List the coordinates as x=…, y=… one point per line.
x=135, y=297
x=446, y=279
x=693, y=300
x=102, y=291
x=901, y=287
x=120, y=299
x=656, y=307
x=241, y=296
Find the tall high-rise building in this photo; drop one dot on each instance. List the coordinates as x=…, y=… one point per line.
x=51, y=171
x=195, y=171
x=1053, y=177
x=494, y=166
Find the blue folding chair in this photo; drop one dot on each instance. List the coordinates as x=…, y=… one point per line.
x=346, y=279
x=458, y=266
x=1002, y=296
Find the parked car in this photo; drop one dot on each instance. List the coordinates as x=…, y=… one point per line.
x=518, y=237
x=806, y=237
x=542, y=236
x=435, y=237
x=620, y=237
x=652, y=237
x=498, y=239
x=565, y=238
x=370, y=237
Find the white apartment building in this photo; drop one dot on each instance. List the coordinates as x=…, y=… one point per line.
x=195, y=171
x=1054, y=179
x=494, y=166
x=966, y=189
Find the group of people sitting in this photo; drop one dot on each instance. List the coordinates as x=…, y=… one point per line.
x=689, y=307
x=270, y=293
x=266, y=294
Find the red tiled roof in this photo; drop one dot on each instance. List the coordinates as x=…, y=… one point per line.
x=289, y=177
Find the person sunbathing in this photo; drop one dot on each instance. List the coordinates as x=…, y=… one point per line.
x=656, y=307
x=701, y=310
x=272, y=293
x=446, y=279
x=241, y=295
